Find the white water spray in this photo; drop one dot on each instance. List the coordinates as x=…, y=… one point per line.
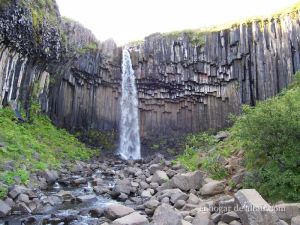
x=129, y=125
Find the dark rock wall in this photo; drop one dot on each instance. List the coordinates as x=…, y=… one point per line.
x=183, y=85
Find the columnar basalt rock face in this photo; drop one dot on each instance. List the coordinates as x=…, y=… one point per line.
x=183, y=85
x=186, y=87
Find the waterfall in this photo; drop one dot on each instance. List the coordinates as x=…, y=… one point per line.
x=129, y=124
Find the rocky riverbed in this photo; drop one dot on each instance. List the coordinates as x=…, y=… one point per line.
x=148, y=191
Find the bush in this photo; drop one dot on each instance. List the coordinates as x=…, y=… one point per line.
x=270, y=133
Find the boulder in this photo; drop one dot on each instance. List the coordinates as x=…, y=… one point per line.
x=234, y=222
x=16, y=190
x=123, y=186
x=295, y=220
x=193, y=199
x=187, y=181
x=173, y=194
x=229, y=217
x=221, y=135
x=66, y=196
x=132, y=219
x=287, y=211
x=159, y=177
x=86, y=198
x=212, y=188
x=51, y=176
x=253, y=209
x=179, y=204
x=96, y=212
x=5, y=209
x=154, y=167
x=166, y=215
x=115, y=211
x=151, y=204
x=202, y=218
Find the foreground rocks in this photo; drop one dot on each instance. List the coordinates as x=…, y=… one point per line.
x=151, y=191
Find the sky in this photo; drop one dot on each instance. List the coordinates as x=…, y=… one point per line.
x=130, y=20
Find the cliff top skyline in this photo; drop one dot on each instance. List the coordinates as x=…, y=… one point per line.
x=131, y=20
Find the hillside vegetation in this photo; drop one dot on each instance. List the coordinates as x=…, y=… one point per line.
x=27, y=147
x=269, y=136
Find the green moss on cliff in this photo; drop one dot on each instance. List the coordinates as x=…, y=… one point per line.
x=196, y=37
x=35, y=145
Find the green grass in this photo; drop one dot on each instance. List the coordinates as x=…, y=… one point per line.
x=35, y=145
x=269, y=134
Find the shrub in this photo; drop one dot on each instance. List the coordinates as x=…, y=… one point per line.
x=270, y=133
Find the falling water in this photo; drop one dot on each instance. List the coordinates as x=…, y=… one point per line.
x=130, y=137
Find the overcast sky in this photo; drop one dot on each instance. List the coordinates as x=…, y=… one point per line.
x=128, y=20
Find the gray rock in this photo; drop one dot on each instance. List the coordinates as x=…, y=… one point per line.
x=154, y=167
x=5, y=209
x=184, y=222
x=187, y=181
x=51, y=176
x=229, y=217
x=79, y=181
x=166, y=215
x=174, y=195
x=132, y=219
x=193, y=199
x=123, y=197
x=212, y=188
x=179, y=204
x=221, y=135
x=16, y=190
x=86, y=198
x=96, y=212
x=253, y=209
x=234, y=222
x=151, y=204
x=295, y=220
x=24, y=208
x=23, y=198
x=202, y=218
x=159, y=177
x=287, y=211
x=146, y=194
x=66, y=196
x=216, y=217
x=123, y=186
x=115, y=211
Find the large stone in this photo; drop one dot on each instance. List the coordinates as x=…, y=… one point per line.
x=151, y=204
x=187, y=181
x=229, y=217
x=5, y=209
x=159, y=177
x=154, y=167
x=287, y=211
x=86, y=198
x=115, y=211
x=295, y=220
x=51, y=176
x=193, y=199
x=132, y=219
x=123, y=186
x=16, y=190
x=173, y=194
x=212, y=188
x=253, y=209
x=166, y=215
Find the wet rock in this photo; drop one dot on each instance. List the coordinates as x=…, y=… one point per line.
x=5, y=209
x=66, y=196
x=166, y=215
x=229, y=217
x=101, y=190
x=213, y=188
x=86, y=198
x=187, y=181
x=159, y=177
x=256, y=211
x=295, y=220
x=115, y=211
x=24, y=208
x=96, y=212
x=132, y=219
x=51, y=176
x=79, y=181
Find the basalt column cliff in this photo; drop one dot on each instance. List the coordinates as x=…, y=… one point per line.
x=186, y=81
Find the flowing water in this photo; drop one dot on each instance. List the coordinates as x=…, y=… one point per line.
x=129, y=125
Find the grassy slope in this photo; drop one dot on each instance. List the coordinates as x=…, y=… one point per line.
x=36, y=145
x=269, y=135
